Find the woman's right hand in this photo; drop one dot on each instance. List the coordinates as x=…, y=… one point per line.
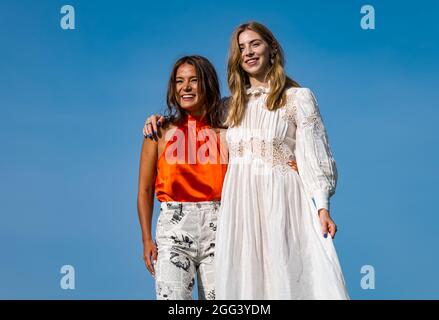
x=150, y=255
x=293, y=165
x=150, y=129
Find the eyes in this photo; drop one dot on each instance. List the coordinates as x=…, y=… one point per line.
x=254, y=44
x=192, y=80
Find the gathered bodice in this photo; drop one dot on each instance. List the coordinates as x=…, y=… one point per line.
x=263, y=134
x=294, y=131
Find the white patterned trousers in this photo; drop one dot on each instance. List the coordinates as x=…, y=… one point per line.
x=185, y=236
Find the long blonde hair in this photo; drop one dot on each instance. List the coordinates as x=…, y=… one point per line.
x=238, y=79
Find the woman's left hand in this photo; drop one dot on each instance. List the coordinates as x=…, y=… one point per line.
x=327, y=223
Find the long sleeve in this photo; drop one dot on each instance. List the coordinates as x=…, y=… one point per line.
x=316, y=164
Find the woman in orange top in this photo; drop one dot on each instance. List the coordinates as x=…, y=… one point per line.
x=185, y=168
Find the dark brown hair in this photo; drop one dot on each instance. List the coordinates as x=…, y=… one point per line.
x=208, y=88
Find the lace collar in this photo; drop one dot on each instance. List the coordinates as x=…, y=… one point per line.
x=257, y=91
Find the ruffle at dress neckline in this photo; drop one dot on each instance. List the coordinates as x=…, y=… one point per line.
x=257, y=91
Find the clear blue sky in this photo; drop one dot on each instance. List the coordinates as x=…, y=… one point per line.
x=73, y=103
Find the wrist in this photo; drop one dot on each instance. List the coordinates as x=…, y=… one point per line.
x=321, y=199
x=323, y=212
x=147, y=239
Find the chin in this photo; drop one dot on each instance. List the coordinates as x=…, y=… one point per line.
x=189, y=107
x=253, y=71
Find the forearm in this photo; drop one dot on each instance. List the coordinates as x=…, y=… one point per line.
x=145, y=207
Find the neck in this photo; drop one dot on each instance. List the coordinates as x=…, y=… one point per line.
x=259, y=80
x=194, y=113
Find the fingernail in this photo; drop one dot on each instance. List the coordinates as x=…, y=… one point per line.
x=150, y=136
x=155, y=132
x=325, y=235
x=158, y=123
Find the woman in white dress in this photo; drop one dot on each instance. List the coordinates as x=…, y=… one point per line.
x=272, y=236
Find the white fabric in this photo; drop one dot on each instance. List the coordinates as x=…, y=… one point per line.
x=269, y=243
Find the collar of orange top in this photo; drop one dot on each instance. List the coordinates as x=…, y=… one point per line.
x=197, y=118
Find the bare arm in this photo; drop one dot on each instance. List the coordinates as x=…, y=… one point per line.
x=145, y=199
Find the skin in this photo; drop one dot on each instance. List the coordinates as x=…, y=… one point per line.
x=254, y=48
x=255, y=57
x=186, y=85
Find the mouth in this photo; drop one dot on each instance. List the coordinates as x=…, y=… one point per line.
x=188, y=97
x=251, y=61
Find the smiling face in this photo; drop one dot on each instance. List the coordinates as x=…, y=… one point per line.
x=255, y=54
x=188, y=96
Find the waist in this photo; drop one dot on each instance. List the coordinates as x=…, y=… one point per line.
x=186, y=183
x=178, y=205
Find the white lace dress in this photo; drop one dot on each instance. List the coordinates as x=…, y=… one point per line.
x=269, y=243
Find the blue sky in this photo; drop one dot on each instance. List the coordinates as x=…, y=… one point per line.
x=73, y=103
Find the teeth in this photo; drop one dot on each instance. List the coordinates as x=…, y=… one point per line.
x=188, y=96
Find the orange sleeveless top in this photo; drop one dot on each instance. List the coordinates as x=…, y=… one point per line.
x=192, y=165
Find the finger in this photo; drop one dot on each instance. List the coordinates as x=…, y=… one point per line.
x=293, y=165
x=154, y=263
x=154, y=254
x=325, y=229
x=149, y=264
x=154, y=125
x=145, y=129
x=161, y=120
x=332, y=230
x=149, y=129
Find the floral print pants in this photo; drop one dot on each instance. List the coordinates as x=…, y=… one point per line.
x=185, y=236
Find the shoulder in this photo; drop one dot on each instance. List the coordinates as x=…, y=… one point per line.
x=225, y=102
x=299, y=93
x=305, y=100
x=166, y=132
x=224, y=109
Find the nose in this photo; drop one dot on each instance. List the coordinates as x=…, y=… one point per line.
x=187, y=86
x=248, y=51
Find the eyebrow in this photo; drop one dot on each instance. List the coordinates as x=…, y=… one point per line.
x=241, y=44
x=180, y=77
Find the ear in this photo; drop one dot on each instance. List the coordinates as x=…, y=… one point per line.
x=273, y=52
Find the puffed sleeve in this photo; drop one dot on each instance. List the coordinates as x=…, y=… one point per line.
x=317, y=166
